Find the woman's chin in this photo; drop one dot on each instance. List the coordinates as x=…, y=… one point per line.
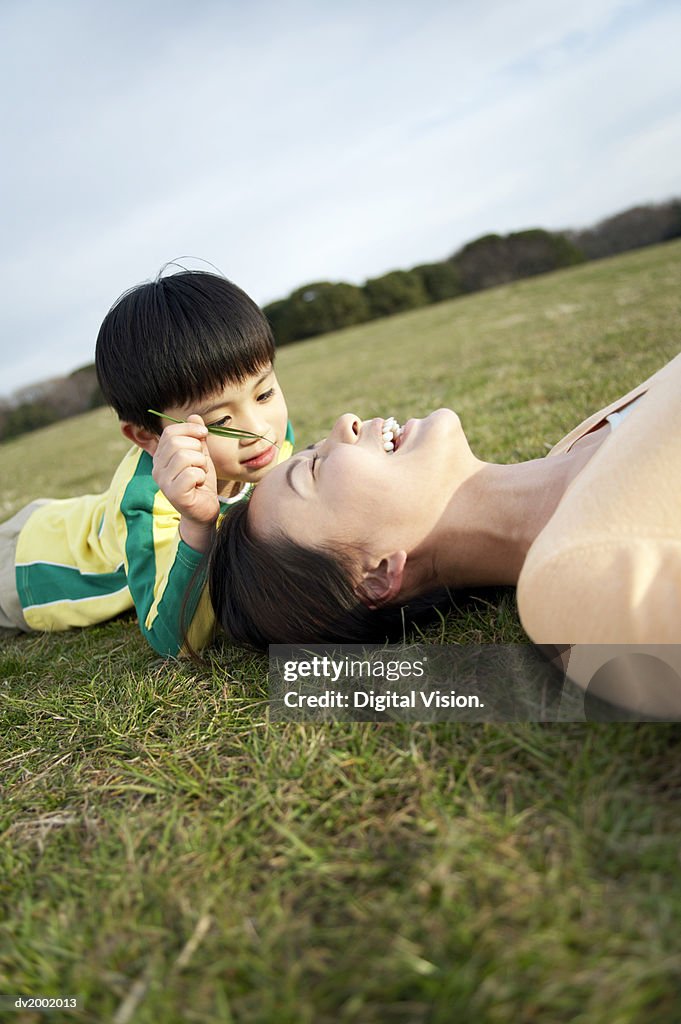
x=438, y=428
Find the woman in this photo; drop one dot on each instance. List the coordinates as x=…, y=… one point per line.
x=591, y=534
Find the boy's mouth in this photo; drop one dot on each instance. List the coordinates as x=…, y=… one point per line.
x=262, y=459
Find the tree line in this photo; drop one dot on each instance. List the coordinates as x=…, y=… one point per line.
x=323, y=306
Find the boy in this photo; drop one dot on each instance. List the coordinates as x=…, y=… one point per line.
x=195, y=347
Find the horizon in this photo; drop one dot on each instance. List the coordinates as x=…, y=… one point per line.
x=7, y=397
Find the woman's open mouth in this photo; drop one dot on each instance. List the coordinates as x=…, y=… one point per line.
x=392, y=432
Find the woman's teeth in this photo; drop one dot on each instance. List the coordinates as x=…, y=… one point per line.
x=391, y=432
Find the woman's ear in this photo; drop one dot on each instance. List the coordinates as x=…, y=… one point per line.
x=382, y=583
x=140, y=436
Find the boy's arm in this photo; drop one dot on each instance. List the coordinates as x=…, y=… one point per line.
x=160, y=567
x=184, y=471
x=168, y=531
x=166, y=544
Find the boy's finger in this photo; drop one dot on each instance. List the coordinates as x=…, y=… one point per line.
x=184, y=442
x=190, y=428
x=167, y=455
x=193, y=476
x=181, y=460
x=197, y=422
x=196, y=419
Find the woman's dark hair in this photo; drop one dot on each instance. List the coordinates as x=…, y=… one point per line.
x=276, y=591
x=177, y=339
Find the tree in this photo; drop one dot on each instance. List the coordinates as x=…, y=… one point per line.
x=631, y=229
x=440, y=280
x=27, y=416
x=38, y=405
x=276, y=313
x=395, y=292
x=496, y=259
x=317, y=308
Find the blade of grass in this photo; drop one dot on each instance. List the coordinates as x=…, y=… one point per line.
x=218, y=431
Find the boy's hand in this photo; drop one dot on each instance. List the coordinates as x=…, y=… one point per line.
x=184, y=471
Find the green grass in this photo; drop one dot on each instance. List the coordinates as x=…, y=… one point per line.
x=169, y=854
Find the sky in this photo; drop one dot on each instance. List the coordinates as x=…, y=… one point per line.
x=287, y=142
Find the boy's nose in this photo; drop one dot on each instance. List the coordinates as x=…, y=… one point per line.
x=255, y=425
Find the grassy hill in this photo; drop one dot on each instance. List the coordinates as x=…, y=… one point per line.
x=169, y=854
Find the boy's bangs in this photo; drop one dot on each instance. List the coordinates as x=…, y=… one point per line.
x=176, y=340
x=212, y=369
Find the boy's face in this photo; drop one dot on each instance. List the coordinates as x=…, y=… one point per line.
x=256, y=405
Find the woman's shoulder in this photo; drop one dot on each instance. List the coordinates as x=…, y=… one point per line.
x=667, y=378
x=603, y=589
x=608, y=562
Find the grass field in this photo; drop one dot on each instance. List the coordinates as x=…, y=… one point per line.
x=169, y=854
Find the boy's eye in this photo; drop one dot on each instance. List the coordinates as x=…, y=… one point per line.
x=265, y=395
x=220, y=423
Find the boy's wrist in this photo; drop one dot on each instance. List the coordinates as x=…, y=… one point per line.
x=196, y=535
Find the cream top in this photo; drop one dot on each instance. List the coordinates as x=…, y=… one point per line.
x=607, y=566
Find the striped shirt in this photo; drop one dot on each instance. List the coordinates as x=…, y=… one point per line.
x=83, y=560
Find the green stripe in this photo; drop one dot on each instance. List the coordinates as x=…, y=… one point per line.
x=42, y=583
x=137, y=506
x=166, y=633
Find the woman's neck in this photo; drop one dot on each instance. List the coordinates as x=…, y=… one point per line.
x=493, y=518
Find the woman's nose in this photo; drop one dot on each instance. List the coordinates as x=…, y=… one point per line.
x=345, y=430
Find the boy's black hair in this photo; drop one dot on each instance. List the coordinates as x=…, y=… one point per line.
x=174, y=340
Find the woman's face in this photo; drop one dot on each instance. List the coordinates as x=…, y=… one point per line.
x=347, y=490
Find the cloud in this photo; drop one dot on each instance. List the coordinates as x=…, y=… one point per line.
x=299, y=141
